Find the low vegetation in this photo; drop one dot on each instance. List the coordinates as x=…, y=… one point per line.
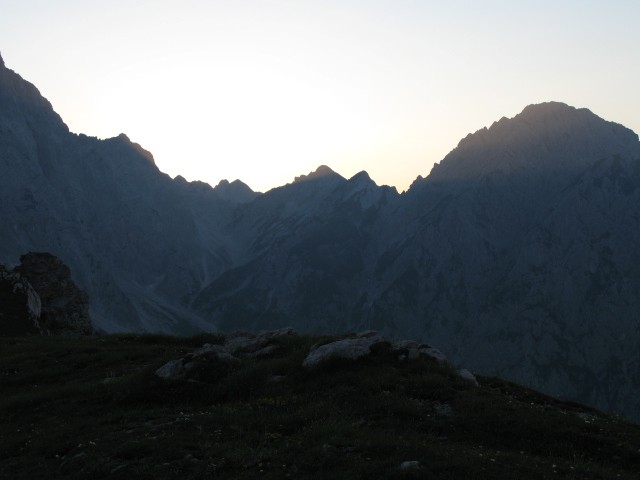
x=93, y=408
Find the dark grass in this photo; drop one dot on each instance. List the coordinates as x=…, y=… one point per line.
x=92, y=408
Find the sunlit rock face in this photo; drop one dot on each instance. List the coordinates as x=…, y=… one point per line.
x=517, y=255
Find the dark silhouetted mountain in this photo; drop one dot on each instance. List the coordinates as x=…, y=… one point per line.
x=517, y=255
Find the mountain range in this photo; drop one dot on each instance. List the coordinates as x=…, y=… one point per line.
x=518, y=255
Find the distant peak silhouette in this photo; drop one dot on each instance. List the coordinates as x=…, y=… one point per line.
x=321, y=172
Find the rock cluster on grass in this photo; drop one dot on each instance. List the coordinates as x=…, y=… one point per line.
x=361, y=345
x=238, y=343
x=257, y=345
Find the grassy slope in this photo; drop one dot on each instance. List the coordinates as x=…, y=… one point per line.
x=92, y=408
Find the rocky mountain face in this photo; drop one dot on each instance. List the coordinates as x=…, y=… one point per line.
x=65, y=308
x=517, y=255
x=309, y=244
x=39, y=297
x=522, y=252
x=19, y=305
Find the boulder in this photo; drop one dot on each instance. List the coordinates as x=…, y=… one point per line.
x=402, y=345
x=348, y=348
x=172, y=370
x=434, y=353
x=406, y=349
x=468, y=376
x=237, y=343
x=208, y=351
x=410, y=465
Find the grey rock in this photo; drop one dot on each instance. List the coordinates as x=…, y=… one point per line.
x=208, y=351
x=237, y=343
x=410, y=465
x=246, y=342
x=65, y=307
x=407, y=349
x=368, y=334
x=443, y=409
x=467, y=375
x=434, y=353
x=172, y=370
x=264, y=351
x=405, y=345
x=348, y=348
x=186, y=368
x=20, y=305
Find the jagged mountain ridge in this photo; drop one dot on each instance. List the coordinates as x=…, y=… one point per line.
x=109, y=213
x=516, y=255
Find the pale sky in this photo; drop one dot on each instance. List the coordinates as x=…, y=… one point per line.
x=265, y=90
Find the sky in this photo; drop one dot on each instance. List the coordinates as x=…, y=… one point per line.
x=265, y=90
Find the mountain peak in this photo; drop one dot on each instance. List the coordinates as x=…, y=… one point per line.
x=322, y=171
x=1, y=60
x=546, y=137
x=235, y=192
x=146, y=154
x=554, y=112
x=362, y=178
x=548, y=107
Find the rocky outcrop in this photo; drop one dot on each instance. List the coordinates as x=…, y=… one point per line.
x=65, y=308
x=198, y=365
x=347, y=349
x=19, y=305
x=211, y=361
x=468, y=376
x=365, y=343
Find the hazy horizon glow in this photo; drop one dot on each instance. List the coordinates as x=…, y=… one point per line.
x=266, y=90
